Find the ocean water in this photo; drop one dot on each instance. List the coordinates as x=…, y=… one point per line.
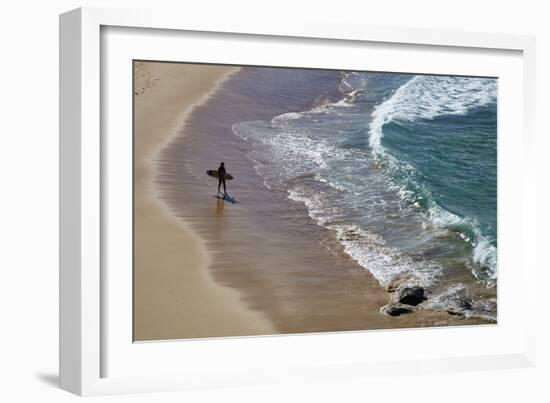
x=402, y=168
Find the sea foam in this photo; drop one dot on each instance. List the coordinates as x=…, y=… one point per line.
x=426, y=97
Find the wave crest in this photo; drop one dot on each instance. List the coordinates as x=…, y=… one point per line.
x=426, y=97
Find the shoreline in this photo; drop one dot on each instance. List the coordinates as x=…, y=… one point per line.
x=313, y=286
x=175, y=295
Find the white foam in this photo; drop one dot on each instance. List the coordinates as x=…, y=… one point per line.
x=367, y=249
x=288, y=152
x=484, y=254
x=459, y=299
x=288, y=116
x=349, y=95
x=426, y=97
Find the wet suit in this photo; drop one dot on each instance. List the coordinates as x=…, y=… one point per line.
x=221, y=179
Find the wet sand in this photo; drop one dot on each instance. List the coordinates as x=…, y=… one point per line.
x=265, y=246
x=175, y=295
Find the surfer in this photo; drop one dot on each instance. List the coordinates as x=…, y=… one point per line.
x=221, y=178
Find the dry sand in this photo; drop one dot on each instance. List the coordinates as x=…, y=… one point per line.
x=174, y=294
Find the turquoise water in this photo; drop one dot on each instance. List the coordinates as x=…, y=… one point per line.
x=440, y=133
x=403, y=169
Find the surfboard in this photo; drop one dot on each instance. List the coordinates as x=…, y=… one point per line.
x=214, y=174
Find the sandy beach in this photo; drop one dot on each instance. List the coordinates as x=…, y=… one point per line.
x=205, y=267
x=285, y=267
x=175, y=295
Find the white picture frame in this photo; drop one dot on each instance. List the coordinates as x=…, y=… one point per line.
x=83, y=342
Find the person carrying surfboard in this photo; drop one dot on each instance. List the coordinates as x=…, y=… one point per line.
x=221, y=178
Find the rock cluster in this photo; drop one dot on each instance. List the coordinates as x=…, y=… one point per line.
x=404, y=300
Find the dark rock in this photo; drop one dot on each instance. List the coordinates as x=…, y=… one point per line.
x=395, y=310
x=411, y=295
